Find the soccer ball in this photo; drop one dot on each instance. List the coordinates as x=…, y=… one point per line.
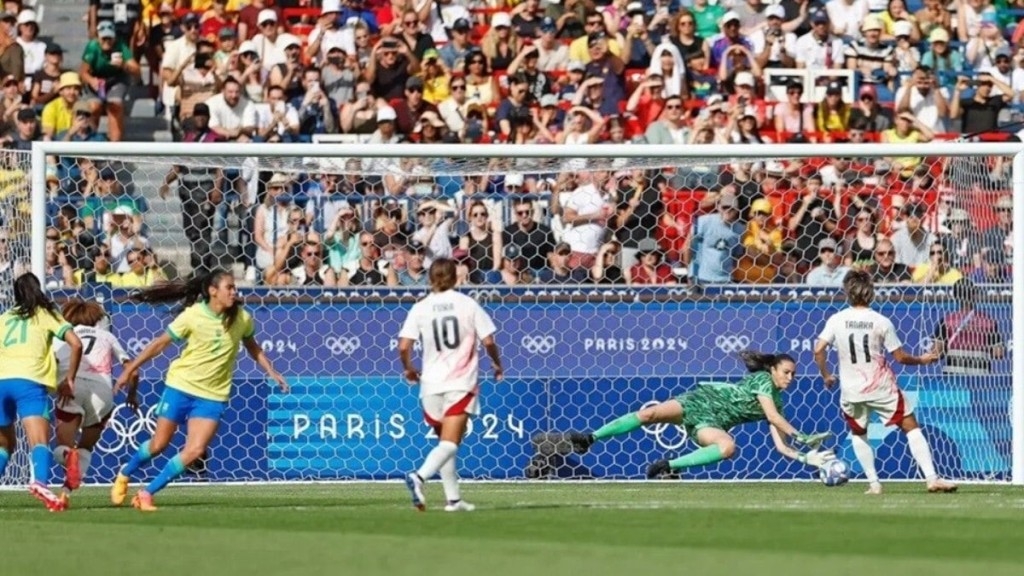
x=834, y=473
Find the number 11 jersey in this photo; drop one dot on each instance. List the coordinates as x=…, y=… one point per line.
x=863, y=338
x=449, y=326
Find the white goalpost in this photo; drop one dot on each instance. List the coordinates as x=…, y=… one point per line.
x=580, y=348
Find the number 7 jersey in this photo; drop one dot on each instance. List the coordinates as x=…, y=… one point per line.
x=863, y=338
x=449, y=326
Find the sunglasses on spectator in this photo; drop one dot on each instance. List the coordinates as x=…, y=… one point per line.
x=562, y=253
x=310, y=253
x=458, y=86
x=133, y=260
x=595, y=22
x=885, y=253
x=938, y=252
x=476, y=61
x=415, y=90
x=266, y=24
x=425, y=212
x=366, y=243
x=410, y=22
x=193, y=27
x=522, y=212
x=686, y=22
x=673, y=106
x=479, y=214
x=794, y=91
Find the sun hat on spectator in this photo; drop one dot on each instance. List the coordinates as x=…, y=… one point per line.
x=27, y=17
x=834, y=88
x=9, y=79
x=461, y=24
x=429, y=117
x=247, y=47
x=575, y=66
x=871, y=23
x=744, y=79
x=634, y=8
x=476, y=106
x=122, y=210
x=287, y=40
x=1003, y=51
x=431, y=54
x=989, y=18
x=513, y=179
x=548, y=101
x=775, y=11
x=902, y=28
x=190, y=18
x=69, y=79
x=729, y=16
x=828, y=244
x=26, y=114
x=105, y=29
x=762, y=206
x=548, y=24
x=499, y=19
x=386, y=114
x=266, y=15
x=201, y=109
x=54, y=48
x=279, y=180
x=9, y=17
x=819, y=17
x=938, y=35
x=330, y=7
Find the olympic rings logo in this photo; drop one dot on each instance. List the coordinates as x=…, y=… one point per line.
x=666, y=442
x=732, y=343
x=538, y=344
x=926, y=344
x=128, y=429
x=342, y=344
x=137, y=345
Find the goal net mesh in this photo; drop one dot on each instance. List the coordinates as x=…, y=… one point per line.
x=615, y=283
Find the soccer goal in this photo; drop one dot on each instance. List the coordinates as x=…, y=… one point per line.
x=599, y=313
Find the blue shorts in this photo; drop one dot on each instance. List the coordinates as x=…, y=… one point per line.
x=20, y=398
x=179, y=406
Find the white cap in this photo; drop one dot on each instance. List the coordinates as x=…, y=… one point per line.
x=871, y=22
x=775, y=10
x=247, y=46
x=635, y=7
x=501, y=19
x=123, y=211
x=744, y=79
x=513, y=179
x=901, y=28
x=548, y=100
x=728, y=17
x=27, y=16
x=330, y=6
x=267, y=15
x=386, y=114
x=286, y=40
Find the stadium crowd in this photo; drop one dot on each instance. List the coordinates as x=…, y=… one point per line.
x=573, y=72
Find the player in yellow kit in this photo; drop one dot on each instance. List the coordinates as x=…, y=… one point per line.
x=28, y=373
x=198, y=383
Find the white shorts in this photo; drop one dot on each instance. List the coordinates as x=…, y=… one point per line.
x=452, y=403
x=93, y=401
x=891, y=410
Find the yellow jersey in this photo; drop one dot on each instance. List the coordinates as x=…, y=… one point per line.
x=26, y=346
x=949, y=277
x=205, y=366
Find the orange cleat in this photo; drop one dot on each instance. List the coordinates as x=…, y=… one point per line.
x=143, y=502
x=119, y=491
x=73, y=472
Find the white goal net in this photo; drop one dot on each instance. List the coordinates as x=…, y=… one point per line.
x=618, y=276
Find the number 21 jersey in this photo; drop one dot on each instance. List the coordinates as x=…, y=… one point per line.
x=862, y=338
x=449, y=326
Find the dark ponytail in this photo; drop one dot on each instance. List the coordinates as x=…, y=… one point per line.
x=760, y=362
x=29, y=297
x=187, y=292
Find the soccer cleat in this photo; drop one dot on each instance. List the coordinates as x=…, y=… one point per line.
x=657, y=469
x=40, y=492
x=73, y=471
x=940, y=485
x=143, y=502
x=581, y=442
x=874, y=488
x=119, y=491
x=65, y=498
x=459, y=506
x=415, y=485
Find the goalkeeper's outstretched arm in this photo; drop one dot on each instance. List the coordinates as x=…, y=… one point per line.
x=814, y=458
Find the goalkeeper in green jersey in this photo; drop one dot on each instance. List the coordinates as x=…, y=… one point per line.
x=708, y=412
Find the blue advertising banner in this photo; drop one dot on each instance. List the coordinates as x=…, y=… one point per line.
x=569, y=366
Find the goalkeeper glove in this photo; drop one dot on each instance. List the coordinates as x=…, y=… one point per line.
x=811, y=441
x=816, y=458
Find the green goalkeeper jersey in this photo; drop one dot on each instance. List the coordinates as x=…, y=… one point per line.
x=724, y=405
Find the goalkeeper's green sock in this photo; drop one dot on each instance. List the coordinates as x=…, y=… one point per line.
x=621, y=425
x=700, y=457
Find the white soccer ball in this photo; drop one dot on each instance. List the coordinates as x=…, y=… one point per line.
x=834, y=473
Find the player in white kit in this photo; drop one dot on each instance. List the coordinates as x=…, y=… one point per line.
x=93, y=403
x=862, y=338
x=449, y=326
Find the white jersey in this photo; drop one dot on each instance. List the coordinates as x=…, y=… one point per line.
x=100, y=351
x=449, y=326
x=863, y=338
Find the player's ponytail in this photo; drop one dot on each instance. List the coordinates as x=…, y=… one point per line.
x=81, y=313
x=30, y=298
x=187, y=292
x=760, y=362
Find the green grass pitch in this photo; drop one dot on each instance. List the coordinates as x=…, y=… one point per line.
x=530, y=529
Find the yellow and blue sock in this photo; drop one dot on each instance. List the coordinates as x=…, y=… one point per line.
x=141, y=456
x=174, y=468
x=5, y=457
x=42, y=461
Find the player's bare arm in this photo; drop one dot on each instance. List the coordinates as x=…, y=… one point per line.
x=904, y=357
x=405, y=354
x=774, y=418
x=252, y=346
x=821, y=360
x=494, y=354
x=154, y=349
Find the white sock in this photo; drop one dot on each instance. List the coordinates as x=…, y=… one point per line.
x=60, y=454
x=84, y=459
x=922, y=453
x=866, y=456
x=437, y=457
x=450, y=480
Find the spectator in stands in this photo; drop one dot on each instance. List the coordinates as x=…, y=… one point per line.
x=579, y=49
x=25, y=131
x=483, y=244
x=429, y=129
x=499, y=44
x=867, y=114
x=998, y=239
x=607, y=66
x=455, y=52
x=34, y=49
x=273, y=220
x=922, y=97
x=908, y=129
x=533, y=239
x=270, y=51
x=707, y=16
x=226, y=56
x=413, y=274
x=526, y=18
x=386, y=132
x=249, y=18
x=312, y=272
x=412, y=107
x=200, y=189
x=960, y=243
x=274, y=120
x=552, y=55
x=638, y=212
x=342, y=232
x=126, y=16
x=12, y=55
x=215, y=17
x=906, y=56
x=585, y=214
x=572, y=83
x=59, y=271
x=762, y=242
x=359, y=116
x=831, y=271
x=11, y=101
x=815, y=218
x=792, y=117
x=142, y=270
x=774, y=47
x=913, y=241
x=862, y=240
x=366, y=272
x=513, y=268
x=47, y=78
x=871, y=60
x=637, y=44
x=979, y=113
x=931, y=17
x=846, y=16
x=525, y=65
x=940, y=57
x=435, y=220
x=289, y=73
x=197, y=79
x=983, y=48
x=937, y=270
x=667, y=63
x=391, y=229
x=249, y=72
x=339, y=75
x=833, y=117
x=582, y=126
x=390, y=67
x=161, y=34
x=722, y=46
x=684, y=35
x=59, y=116
x=436, y=78
x=1007, y=70
x=179, y=52
x=124, y=235
x=327, y=34
x=229, y=111
x=95, y=269
x=481, y=86
x=606, y=268
x=650, y=267
x=714, y=243
x=819, y=48
x=894, y=13
x=559, y=270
